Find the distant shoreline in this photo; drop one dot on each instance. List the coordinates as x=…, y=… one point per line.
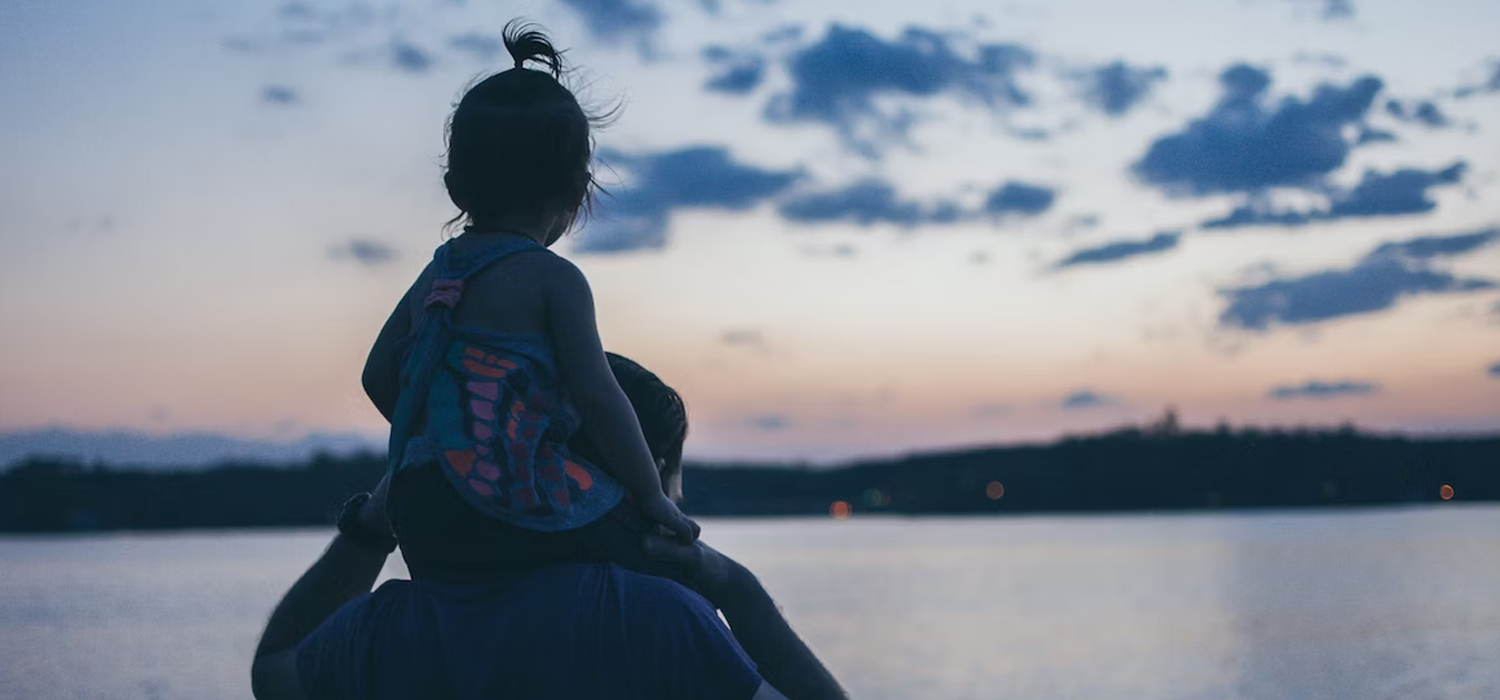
x=1155, y=470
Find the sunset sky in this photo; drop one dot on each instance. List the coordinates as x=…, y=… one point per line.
x=839, y=228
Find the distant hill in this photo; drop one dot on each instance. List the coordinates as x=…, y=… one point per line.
x=182, y=451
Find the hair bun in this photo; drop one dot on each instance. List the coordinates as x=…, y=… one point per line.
x=526, y=42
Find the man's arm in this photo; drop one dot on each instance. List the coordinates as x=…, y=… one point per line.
x=346, y=570
x=783, y=659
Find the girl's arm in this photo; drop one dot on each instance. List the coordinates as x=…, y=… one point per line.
x=608, y=418
x=382, y=375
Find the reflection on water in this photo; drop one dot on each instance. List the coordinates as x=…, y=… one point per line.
x=1285, y=606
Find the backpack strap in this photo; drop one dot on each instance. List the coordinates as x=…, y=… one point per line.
x=435, y=330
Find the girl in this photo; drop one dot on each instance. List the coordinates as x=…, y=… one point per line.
x=492, y=361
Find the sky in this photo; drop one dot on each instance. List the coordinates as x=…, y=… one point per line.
x=838, y=228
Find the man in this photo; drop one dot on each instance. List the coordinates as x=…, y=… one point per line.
x=568, y=631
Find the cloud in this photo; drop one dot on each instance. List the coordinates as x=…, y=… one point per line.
x=1338, y=9
x=1429, y=247
x=1399, y=193
x=1245, y=144
x=1368, y=135
x=1085, y=398
x=279, y=95
x=836, y=80
x=1375, y=283
x=1019, y=198
x=1121, y=250
x=1117, y=87
x=874, y=201
x=363, y=251
x=704, y=177
x=615, y=19
x=864, y=203
x=1495, y=370
x=301, y=23
x=1315, y=389
x=481, y=46
x=743, y=337
x=735, y=72
x=770, y=423
x=1425, y=113
x=986, y=410
x=410, y=58
x=1492, y=85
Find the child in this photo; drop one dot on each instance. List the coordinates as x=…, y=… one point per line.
x=492, y=360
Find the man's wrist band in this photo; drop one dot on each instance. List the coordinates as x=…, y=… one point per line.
x=352, y=528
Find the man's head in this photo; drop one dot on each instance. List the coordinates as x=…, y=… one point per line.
x=662, y=416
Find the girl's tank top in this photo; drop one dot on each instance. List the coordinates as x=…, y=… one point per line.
x=493, y=412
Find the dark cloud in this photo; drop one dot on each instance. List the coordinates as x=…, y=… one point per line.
x=1424, y=112
x=363, y=251
x=636, y=217
x=615, y=19
x=1376, y=283
x=481, y=46
x=279, y=95
x=1495, y=370
x=1322, y=390
x=873, y=201
x=410, y=58
x=1368, y=135
x=1399, y=193
x=1429, y=247
x=1085, y=399
x=296, y=11
x=1117, y=87
x=865, y=203
x=836, y=80
x=1019, y=198
x=1489, y=86
x=1246, y=144
x=735, y=72
x=770, y=423
x=1120, y=250
x=1338, y=9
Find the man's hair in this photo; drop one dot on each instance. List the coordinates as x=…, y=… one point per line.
x=658, y=407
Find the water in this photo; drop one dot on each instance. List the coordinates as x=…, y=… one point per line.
x=1364, y=605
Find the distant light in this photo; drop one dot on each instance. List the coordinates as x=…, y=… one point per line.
x=1446, y=492
x=994, y=490
x=840, y=510
x=876, y=498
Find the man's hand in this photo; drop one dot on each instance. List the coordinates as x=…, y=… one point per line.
x=372, y=516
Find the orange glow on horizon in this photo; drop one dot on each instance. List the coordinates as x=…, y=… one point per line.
x=840, y=510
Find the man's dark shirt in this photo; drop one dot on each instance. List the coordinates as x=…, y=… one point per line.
x=569, y=631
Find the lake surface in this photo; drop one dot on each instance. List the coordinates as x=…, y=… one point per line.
x=1358, y=604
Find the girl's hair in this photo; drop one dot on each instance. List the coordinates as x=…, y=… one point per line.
x=659, y=409
x=519, y=143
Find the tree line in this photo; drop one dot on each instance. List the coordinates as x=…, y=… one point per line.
x=1138, y=469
